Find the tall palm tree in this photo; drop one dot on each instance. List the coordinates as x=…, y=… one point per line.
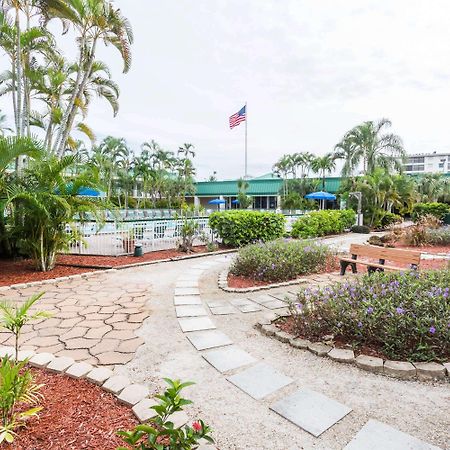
x=323, y=165
x=186, y=165
x=283, y=167
x=94, y=21
x=370, y=146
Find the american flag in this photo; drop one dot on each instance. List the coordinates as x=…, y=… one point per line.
x=237, y=118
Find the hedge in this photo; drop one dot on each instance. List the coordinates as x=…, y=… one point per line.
x=238, y=228
x=322, y=223
x=439, y=210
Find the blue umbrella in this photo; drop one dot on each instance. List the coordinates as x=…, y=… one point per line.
x=235, y=202
x=320, y=196
x=216, y=201
x=89, y=192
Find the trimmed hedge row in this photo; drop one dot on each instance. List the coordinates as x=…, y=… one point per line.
x=241, y=227
x=439, y=210
x=322, y=223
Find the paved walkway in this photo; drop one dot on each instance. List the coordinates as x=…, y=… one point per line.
x=249, y=388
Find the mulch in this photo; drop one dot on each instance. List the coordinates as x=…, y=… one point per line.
x=76, y=415
x=23, y=271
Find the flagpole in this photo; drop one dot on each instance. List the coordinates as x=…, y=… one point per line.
x=246, y=120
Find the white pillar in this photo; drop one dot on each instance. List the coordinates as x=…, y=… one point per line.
x=196, y=202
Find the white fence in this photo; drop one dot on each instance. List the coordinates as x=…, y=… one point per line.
x=120, y=238
x=117, y=238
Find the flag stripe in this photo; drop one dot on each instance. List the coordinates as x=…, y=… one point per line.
x=237, y=118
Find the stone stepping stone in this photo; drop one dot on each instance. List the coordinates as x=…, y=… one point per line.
x=196, y=324
x=249, y=308
x=216, y=303
x=203, y=340
x=223, y=310
x=186, y=284
x=241, y=302
x=187, y=300
x=310, y=410
x=283, y=296
x=228, y=358
x=259, y=381
x=265, y=298
x=188, y=278
x=276, y=304
x=190, y=311
x=187, y=291
x=378, y=436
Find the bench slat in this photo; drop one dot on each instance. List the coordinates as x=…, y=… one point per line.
x=391, y=254
x=372, y=264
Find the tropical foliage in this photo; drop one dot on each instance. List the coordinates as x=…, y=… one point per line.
x=403, y=315
x=322, y=223
x=281, y=260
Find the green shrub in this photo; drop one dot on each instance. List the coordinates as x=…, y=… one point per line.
x=389, y=219
x=362, y=229
x=238, y=228
x=439, y=210
x=440, y=236
x=322, y=223
x=281, y=260
x=405, y=315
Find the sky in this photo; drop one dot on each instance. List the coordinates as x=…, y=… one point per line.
x=309, y=70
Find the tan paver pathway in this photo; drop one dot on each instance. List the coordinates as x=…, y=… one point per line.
x=93, y=319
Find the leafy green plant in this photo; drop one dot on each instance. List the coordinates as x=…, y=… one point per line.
x=281, y=260
x=439, y=210
x=322, y=223
x=440, y=236
x=160, y=433
x=404, y=315
x=418, y=234
x=238, y=228
x=17, y=387
x=389, y=219
x=14, y=316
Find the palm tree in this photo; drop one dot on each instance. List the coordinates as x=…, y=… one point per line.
x=323, y=165
x=186, y=165
x=283, y=167
x=94, y=21
x=369, y=145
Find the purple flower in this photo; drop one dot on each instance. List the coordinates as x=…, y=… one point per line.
x=400, y=310
x=432, y=330
x=359, y=324
x=369, y=310
x=299, y=306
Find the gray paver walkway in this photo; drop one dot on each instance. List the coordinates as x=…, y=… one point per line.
x=228, y=358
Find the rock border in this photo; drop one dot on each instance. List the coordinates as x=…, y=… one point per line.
x=106, y=270
x=136, y=396
x=223, y=284
x=403, y=370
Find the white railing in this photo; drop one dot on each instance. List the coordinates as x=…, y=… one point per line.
x=120, y=238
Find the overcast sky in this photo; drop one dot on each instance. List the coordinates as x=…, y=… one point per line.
x=308, y=69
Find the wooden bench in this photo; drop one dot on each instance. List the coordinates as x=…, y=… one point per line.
x=382, y=254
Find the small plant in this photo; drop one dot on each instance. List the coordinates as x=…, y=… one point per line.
x=281, y=260
x=363, y=229
x=418, y=234
x=438, y=210
x=440, y=236
x=160, y=433
x=14, y=316
x=17, y=387
x=189, y=229
x=208, y=240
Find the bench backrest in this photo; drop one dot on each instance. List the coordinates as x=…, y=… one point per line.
x=391, y=254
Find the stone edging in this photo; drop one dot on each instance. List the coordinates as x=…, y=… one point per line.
x=136, y=396
x=112, y=269
x=403, y=370
x=223, y=284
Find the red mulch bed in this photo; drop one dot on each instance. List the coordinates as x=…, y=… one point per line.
x=287, y=324
x=426, y=248
x=76, y=415
x=13, y=272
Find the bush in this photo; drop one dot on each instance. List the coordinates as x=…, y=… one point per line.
x=439, y=210
x=238, y=228
x=362, y=229
x=321, y=223
x=418, y=234
x=389, y=219
x=440, y=236
x=281, y=260
x=404, y=315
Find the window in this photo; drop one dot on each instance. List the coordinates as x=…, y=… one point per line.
x=416, y=160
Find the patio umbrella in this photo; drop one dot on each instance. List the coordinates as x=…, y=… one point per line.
x=235, y=202
x=321, y=195
x=216, y=201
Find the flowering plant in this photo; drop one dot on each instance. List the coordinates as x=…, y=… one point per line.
x=281, y=260
x=404, y=315
x=160, y=433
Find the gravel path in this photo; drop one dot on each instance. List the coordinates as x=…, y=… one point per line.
x=419, y=409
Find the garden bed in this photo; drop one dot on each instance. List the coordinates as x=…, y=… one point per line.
x=76, y=415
